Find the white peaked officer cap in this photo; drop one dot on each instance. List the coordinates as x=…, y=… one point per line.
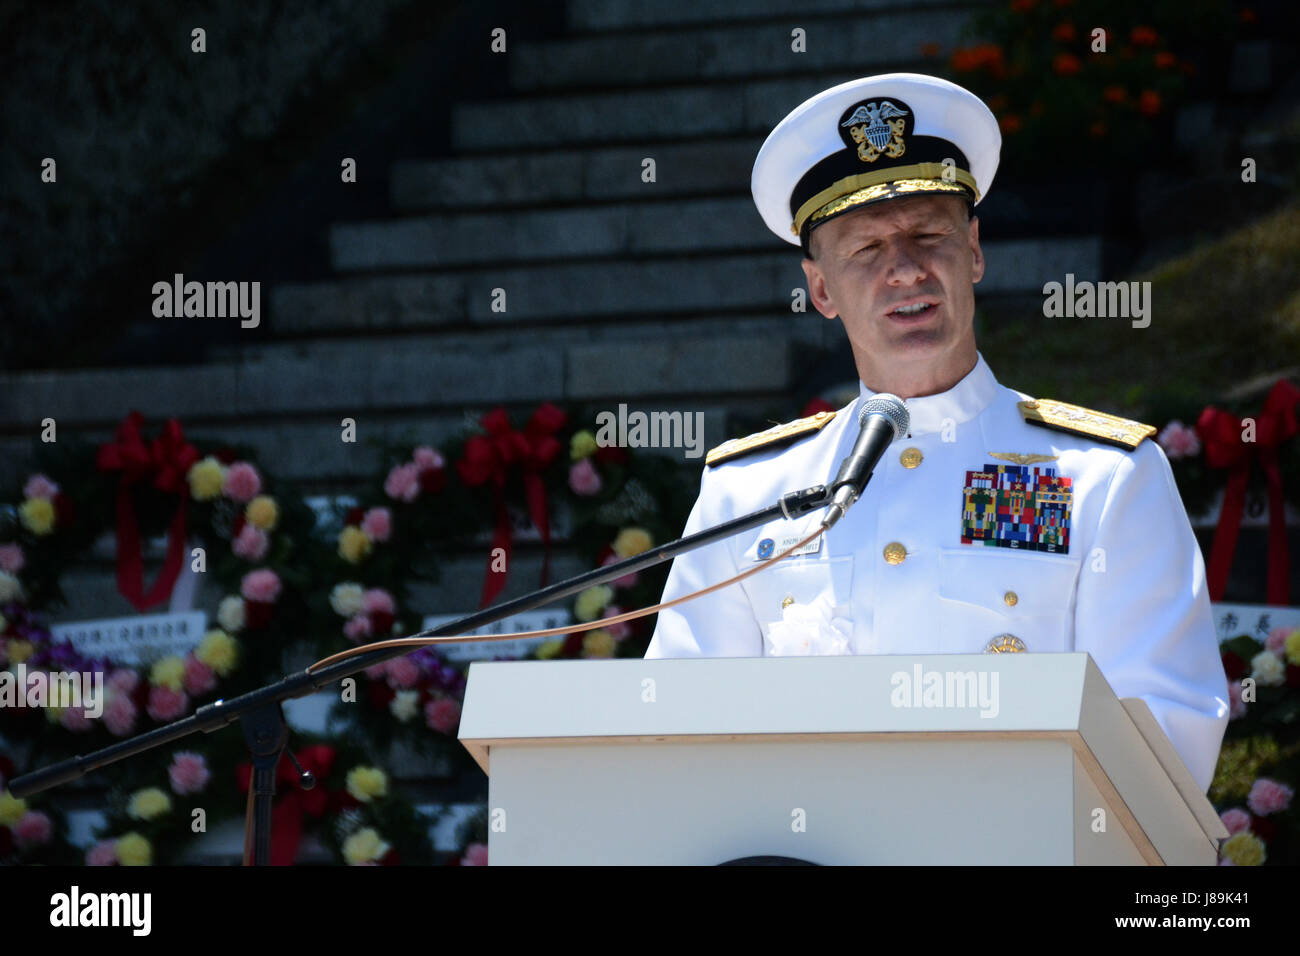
x=870, y=140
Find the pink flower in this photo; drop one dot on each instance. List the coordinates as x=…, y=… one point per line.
x=75, y=720
x=1236, y=820
x=188, y=773
x=166, y=704
x=11, y=558
x=616, y=631
x=119, y=715
x=377, y=599
x=1269, y=796
x=32, y=829
x=426, y=458
x=584, y=479
x=198, y=677
x=357, y=627
x=1179, y=441
x=627, y=580
x=242, y=482
x=38, y=486
x=475, y=855
x=377, y=523
x=377, y=671
x=403, y=482
x=251, y=543
x=1236, y=706
x=262, y=585
x=1276, y=641
x=123, y=680
x=403, y=672
x=103, y=853
x=443, y=715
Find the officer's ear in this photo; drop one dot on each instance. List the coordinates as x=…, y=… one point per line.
x=817, y=290
x=977, y=254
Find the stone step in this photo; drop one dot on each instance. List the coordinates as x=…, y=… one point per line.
x=882, y=40
x=601, y=15
x=671, y=114
x=706, y=285
x=707, y=167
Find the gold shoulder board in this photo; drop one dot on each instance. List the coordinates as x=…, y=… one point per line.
x=1098, y=426
x=776, y=435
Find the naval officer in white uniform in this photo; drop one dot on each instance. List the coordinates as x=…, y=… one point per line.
x=999, y=523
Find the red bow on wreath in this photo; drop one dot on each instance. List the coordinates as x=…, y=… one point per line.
x=493, y=457
x=1221, y=433
x=293, y=801
x=164, y=463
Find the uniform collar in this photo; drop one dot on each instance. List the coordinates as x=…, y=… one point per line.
x=959, y=404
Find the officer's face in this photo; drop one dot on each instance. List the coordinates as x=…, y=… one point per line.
x=901, y=254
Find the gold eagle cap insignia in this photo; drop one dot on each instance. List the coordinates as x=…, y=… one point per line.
x=1099, y=426
x=1018, y=459
x=776, y=435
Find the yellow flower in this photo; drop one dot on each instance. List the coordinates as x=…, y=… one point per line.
x=134, y=850
x=592, y=601
x=1240, y=762
x=581, y=445
x=11, y=808
x=1292, y=646
x=364, y=846
x=148, y=803
x=632, y=541
x=1244, y=849
x=367, y=783
x=19, y=651
x=37, y=515
x=168, y=673
x=218, y=650
x=548, y=649
x=262, y=512
x=354, y=544
x=598, y=643
x=206, y=478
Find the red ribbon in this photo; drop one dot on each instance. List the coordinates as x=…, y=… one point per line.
x=492, y=458
x=287, y=813
x=1220, y=432
x=164, y=463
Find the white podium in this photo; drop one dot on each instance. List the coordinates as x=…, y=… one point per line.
x=916, y=760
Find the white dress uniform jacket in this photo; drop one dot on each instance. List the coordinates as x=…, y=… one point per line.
x=1129, y=589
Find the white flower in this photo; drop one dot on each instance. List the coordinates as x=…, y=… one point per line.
x=405, y=704
x=1267, y=669
x=230, y=614
x=347, y=599
x=807, y=630
x=11, y=589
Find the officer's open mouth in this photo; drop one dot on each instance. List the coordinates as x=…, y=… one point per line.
x=909, y=310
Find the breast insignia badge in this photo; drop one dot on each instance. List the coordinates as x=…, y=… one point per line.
x=1017, y=506
x=1018, y=459
x=1005, y=644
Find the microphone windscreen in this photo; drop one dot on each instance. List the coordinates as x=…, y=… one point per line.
x=890, y=406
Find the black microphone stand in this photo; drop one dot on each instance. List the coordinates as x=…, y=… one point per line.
x=262, y=717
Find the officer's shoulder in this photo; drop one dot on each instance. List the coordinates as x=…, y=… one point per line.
x=1098, y=426
x=778, y=436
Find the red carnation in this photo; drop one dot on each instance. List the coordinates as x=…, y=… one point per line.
x=354, y=516
x=433, y=480
x=1234, y=666
x=1064, y=32
x=257, y=614
x=1149, y=102
x=65, y=512
x=1165, y=60
x=816, y=405
x=1066, y=64
x=379, y=694
x=381, y=622
x=1144, y=36
x=1262, y=828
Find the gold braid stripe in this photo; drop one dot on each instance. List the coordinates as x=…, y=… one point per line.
x=903, y=178
x=418, y=641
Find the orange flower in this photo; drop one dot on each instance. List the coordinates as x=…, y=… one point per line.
x=929, y=49
x=1149, y=102
x=962, y=61
x=1114, y=94
x=1064, y=32
x=1010, y=123
x=1066, y=64
x=1097, y=130
x=1143, y=36
x=1165, y=60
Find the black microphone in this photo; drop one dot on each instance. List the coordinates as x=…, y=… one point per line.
x=882, y=420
